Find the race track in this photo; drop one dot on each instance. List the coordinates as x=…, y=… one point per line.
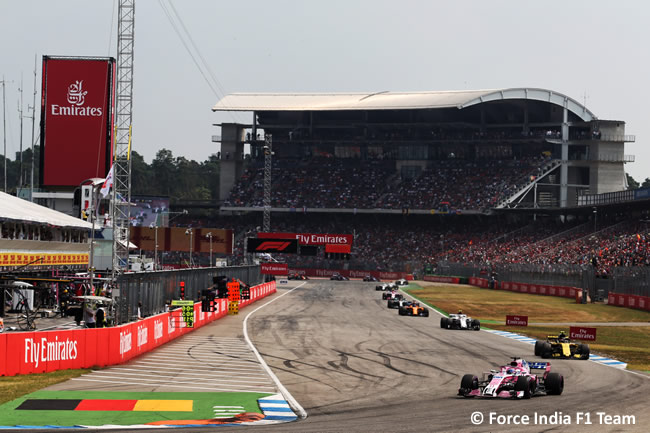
x=356, y=366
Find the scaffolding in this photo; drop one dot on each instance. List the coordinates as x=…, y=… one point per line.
x=121, y=197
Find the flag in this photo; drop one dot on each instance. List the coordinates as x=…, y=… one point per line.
x=108, y=183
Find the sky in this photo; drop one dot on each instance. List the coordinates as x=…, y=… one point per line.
x=593, y=51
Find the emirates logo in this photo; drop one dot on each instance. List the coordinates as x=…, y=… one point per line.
x=76, y=95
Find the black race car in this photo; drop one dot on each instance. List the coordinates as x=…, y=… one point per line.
x=338, y=277
x=399, y=303
x=370, y=278
x=297, y=276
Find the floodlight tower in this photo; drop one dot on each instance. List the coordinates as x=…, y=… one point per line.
x=268, y=154
x=121, y=198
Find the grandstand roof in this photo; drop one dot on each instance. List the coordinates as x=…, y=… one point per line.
x=19, y=210
x=391, y=100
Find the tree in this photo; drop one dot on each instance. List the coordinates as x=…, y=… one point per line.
x=646, y=183
x=632, y=184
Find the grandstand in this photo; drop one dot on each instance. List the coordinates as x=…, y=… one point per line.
x=471, y=151
x=453, y=181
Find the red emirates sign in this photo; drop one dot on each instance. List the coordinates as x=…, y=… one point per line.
x=76, y=119
x=310, y=238
x=516, y=320
x=582, y=333
x=274, y=268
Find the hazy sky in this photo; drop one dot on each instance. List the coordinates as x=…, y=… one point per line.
x=593, y=49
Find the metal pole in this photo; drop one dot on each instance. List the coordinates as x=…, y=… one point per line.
x=31, y=183
x=268, y=153
x=209, y=236
x=4, y=129
x=20, y=111
x=155, y=255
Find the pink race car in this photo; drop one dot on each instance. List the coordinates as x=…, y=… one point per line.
x=515, y=380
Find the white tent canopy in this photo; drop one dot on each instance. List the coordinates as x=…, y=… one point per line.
x=19, y=210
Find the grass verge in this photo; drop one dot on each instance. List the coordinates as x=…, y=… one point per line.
x=630, y=344
x=13, y=387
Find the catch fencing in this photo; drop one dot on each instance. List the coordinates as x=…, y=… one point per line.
x=624, y=280
x=156, y=289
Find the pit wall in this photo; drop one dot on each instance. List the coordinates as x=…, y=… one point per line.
x=45, y=351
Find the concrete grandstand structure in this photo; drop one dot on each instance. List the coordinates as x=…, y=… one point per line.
x=553, y=150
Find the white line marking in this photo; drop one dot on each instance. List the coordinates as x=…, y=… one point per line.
x=166, y=385
x=287, y=395
x=203, y=378
x=209, y=372
x=163, y=382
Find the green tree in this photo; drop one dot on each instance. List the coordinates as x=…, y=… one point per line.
x=646, y=183
x=632, y=184
x=164, y=172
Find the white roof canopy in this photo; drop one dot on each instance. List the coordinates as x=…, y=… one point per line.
x=19, y=210
x=390, y=100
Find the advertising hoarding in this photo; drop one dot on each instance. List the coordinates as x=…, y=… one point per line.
x=76, y=119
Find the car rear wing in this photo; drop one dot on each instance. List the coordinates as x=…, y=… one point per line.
x=539, y=365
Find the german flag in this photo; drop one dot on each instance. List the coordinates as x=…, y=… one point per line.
x=108, y=405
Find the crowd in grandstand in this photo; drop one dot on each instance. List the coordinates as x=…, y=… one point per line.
x=468, y=184
x=392, y=243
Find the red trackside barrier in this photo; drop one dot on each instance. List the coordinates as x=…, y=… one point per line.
x=45, y=351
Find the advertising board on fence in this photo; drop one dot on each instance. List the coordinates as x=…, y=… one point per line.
x=516, y=320
x=45, y=351
x=582, y=333
x=274, y=268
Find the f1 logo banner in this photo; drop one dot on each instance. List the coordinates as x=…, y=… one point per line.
x=288, y=246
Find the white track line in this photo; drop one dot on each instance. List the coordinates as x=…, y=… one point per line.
x=204, y=378
x=208, y=372
x=285, y=393
x=167, y=385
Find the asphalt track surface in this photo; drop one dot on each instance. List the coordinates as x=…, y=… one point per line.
x=356, y=366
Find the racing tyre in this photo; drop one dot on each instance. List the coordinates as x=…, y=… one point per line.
x=547, y=350
x=583, y=350
x=476, y=325
x=425, y=313
x=444, y=322
x=538, y=347
x=525, y=384
x=468, y=383
x=402, y=311
x=554, y=384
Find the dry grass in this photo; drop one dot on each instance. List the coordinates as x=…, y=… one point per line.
x=626, y=343
x=496, y=304
x=629, y=344
x=16, y=386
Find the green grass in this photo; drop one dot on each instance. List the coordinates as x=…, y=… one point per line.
x=202, y=408
x=630, y=344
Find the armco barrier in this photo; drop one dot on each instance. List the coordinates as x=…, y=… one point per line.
x=629, y=301
x=45, y=351
x=440, y=279
x=561, y=291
